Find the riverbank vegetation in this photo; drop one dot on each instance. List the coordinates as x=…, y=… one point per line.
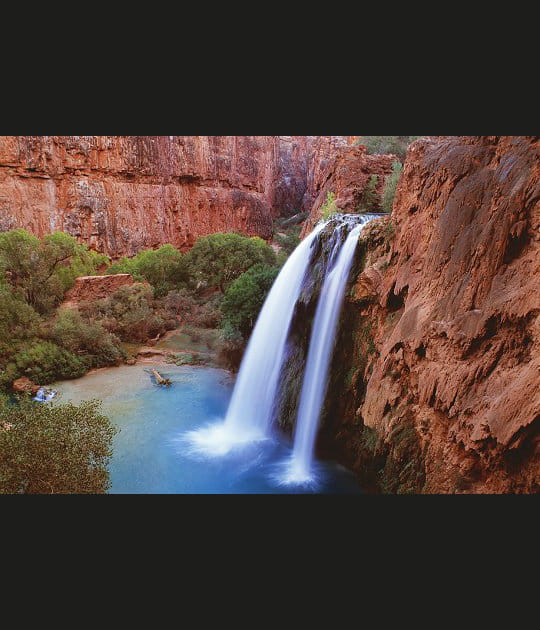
x=221, y=283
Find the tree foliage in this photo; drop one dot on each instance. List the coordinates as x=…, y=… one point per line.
x=41, y=270
x=390, y=186
x=329, y=207
x=88, y=338
x=164, y=268
x=17, y=318
x=244, y=299
x=54, y=449
x=215, y=261
x=129, y=313
x=196, y=311
x=44, y=362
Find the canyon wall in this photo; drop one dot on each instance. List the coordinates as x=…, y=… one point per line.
x=121, y=194
x=435, y=386
x=347, y=174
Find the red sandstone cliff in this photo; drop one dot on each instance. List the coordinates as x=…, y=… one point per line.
x=346, y=172
x=121, y=194
x=447, y=344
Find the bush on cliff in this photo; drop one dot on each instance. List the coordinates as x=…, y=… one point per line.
x=215, y=261
x=164, y=268
x=244, y=298
x=41, y=270
x=329, y=207
x=46, y=449
x=390, y=186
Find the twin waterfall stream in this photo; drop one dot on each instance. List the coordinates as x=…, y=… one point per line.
x=251, y=416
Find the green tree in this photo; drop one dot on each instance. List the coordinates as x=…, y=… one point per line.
x=45, y=362
x=17, y=318
x=164, y=268
x=215, y=261
x=84, y=262
x=54, y=449
x=243, y=300
x=41, y=270
x=390, y=186
x=72, y=332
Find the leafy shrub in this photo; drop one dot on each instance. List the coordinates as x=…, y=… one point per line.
x=164, y=268
x=231, y=348
x=188, y=309
x=245, y=297
x=77, y=335
x=215, y=261
x=329, y=207
x=17, y=318
x=129, y=313
x=44, y=362
x=85, y=262
x=54, y=449
x=390, y=187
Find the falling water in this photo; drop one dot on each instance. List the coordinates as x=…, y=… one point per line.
x=250, y=413
x=299, y=468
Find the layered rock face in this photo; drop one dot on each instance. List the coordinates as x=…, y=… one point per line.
x=347, y=175
x=91, y=288
x=435, y=385
x=121, y=194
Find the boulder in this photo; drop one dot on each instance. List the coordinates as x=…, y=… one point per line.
x=25, y=385
x=91, y=288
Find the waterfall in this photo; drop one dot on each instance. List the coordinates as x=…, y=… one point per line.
x=251, y=410
x=321, y=345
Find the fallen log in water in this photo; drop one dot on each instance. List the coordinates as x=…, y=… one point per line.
x=160, y=380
